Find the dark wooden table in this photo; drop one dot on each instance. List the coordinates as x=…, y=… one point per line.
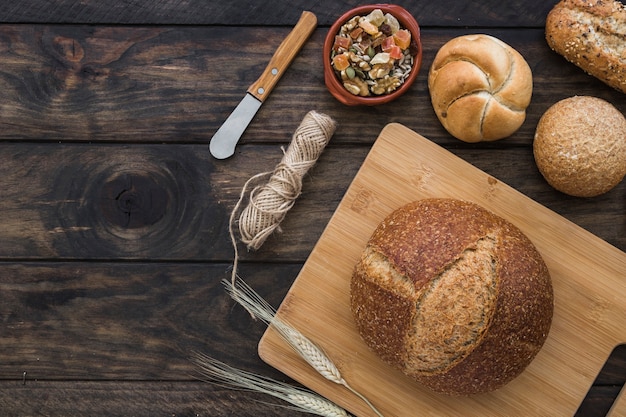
x=114, y=216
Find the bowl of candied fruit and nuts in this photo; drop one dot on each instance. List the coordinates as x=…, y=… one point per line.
x=372, y=54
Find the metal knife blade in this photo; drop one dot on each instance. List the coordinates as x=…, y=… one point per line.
x=225, y=139
x=223, y=142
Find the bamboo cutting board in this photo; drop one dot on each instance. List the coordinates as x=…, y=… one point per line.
x=589, y=279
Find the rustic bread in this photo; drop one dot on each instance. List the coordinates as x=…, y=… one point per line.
x=480, y=88
x=452, y=295
x=580, y=146
x=590, y=34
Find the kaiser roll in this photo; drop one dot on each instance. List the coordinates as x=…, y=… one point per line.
x=452, y=295
x=480, y=88
x=580, y=146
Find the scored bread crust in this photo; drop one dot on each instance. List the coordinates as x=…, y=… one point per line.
x=480, y=88
x=590, y=34
x=396, y=284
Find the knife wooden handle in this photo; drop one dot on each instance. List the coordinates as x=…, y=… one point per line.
x=286, y=52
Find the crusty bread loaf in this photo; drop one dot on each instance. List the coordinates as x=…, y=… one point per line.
x=452, y=295
x=590, y=34
x=580, y=146
x=480, y=88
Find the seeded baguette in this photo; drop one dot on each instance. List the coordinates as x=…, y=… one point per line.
x=453, y=296
x=591, y=35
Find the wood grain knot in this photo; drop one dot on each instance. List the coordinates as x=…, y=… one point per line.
x=70, y=67
x=68, y=48
x=133, y=201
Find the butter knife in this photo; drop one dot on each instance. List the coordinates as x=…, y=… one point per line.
x=223, y=142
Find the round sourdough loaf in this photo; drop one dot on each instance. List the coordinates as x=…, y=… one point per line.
x=580, y=146
x=480, y=88
x=452, y=295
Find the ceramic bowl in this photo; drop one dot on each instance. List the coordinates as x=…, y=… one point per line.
x=334, y=84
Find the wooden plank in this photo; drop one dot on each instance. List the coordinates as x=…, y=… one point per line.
x=133, y=398
x=179, y=84
x=587, y=275
x=116, y=338
x=614, y=370
x=107, y=202
x=143, y=202
x=283, y=12
x=159, y=398
x=600, y=400
x=618, y=409
x=128, y=321
x=172, y=202
x=604, y=397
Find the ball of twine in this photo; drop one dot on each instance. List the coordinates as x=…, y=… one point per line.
x=269, y=202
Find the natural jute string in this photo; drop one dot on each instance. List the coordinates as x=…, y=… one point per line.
x=269, y=203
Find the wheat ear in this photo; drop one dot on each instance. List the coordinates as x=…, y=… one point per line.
x=304, y=400
x=241, y=292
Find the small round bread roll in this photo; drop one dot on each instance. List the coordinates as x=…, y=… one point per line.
x=480, y=88
x=452, y=295
x=580, y=146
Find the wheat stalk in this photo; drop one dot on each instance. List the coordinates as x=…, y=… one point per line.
x=304, y=400
x=241, y=292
